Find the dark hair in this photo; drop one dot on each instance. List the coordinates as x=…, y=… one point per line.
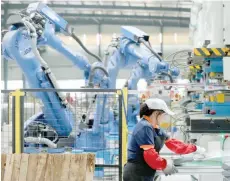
x=145, y=111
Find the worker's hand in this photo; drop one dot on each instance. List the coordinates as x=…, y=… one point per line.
x=200, y=150
x=200, y=153
x=170, y=168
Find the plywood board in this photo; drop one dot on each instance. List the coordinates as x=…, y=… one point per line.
x=16, y=167
x=82, y=161
x=24, y=167
x=90, y=167
x=49, y=168
x=3, y=164
x=9, y=167
x=65, y=167
x=41, y=167
x=32, y=167
x=74, y=168
x=58, y=165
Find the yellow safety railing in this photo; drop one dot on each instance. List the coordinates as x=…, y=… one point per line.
x=17, y=121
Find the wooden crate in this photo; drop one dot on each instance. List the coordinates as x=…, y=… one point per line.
x=47, y=167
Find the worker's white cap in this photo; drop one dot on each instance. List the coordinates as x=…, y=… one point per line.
x=159, y=104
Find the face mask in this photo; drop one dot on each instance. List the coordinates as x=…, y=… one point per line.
x=164, y=121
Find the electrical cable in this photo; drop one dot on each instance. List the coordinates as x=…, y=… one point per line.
x=92, y=72
x=170, y=79
x=147, y=46
x=225, y=138
x=84, y=48
x=174, y=62
x=177, y=53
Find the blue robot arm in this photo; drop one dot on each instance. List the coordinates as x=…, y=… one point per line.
x=133, y=51
x=17, y=45
x=20, y=44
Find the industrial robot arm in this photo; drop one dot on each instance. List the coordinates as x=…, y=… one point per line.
x=37, y=27
x=132, y=50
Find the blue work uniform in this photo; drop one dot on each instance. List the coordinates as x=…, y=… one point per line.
x=136, y=168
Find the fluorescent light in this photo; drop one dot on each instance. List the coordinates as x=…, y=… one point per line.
x=160, y=37
x=84, y=39
x=98, y=38
x=175, y=37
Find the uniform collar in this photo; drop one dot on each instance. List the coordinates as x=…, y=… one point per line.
x=148, y=119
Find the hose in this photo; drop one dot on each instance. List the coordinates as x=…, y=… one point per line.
x=170, y=78
x=93, y=72
x=45, y=141
x=84, y=48
x=147, y=46
x=177, y=52
x=184, y=105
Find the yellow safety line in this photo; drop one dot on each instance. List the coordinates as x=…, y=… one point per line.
x=17, y=94
x=197, y=52
x=216, y=51
x=17, y=125
x=205, y=50
x=124, y=126
x=224, y=49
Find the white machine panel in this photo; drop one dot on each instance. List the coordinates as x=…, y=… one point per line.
x=226, y=65
x=226, y=16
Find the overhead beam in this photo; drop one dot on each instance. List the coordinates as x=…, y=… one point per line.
x=102, y=6
x=124, y=16
x=126, y=22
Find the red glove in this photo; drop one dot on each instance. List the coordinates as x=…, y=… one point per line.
x=153, y=159
x=179, y=147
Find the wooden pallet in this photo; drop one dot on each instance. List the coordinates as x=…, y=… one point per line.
x=47, y=167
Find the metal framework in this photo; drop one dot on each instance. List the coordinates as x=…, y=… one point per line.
x=101, y=6
x=175, y=13
x=171, y=13
x=18, y=108
x=108, y=16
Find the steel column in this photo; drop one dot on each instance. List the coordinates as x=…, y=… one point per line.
x=162, y=40
x=5, y=62
x=99, y=40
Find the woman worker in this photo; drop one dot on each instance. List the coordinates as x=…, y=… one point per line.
x=146, y=142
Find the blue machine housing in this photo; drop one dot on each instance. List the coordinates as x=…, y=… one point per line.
x=53, y=17
x=216, y=65
x=221, y=109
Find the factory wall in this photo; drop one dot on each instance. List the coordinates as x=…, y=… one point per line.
x=173, y=39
